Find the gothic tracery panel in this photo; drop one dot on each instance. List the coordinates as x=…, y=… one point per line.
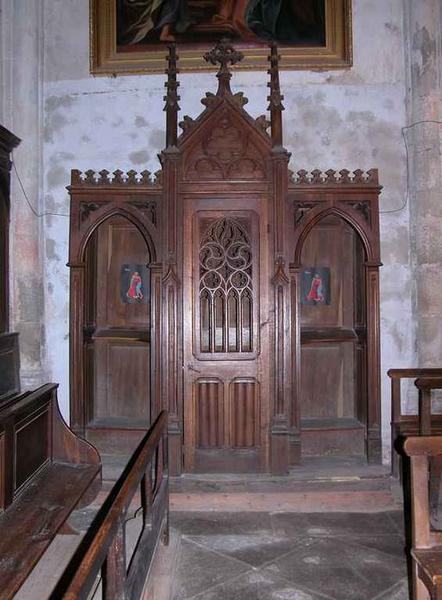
x=226, y=286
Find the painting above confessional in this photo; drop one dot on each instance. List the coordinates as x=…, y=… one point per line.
x=129, y=35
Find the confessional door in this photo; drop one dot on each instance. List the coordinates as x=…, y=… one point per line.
x=117, y=337
x=226, y=334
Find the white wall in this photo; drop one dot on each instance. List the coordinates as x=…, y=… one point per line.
x=337, y=119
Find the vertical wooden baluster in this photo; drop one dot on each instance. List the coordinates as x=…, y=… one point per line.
x=424, y=411
x=147, y=495
x=160, y=463
x=114, y=576
x=165, y=473
x=395, y=417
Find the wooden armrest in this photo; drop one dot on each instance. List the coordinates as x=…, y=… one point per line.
x=429, y=383
x=32, y=521
x=423, y=445
x=410, y=373
x=429, y=563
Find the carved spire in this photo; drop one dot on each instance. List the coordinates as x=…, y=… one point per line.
x=171, y=98
x=275, y=98
x=224, y=54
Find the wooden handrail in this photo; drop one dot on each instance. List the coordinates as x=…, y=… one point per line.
x=411, y=373
x=103, y=547
x=427, y=445
x=429, y=383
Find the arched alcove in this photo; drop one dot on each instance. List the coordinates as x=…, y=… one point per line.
x=115, y=308
x=333, y=395
x=335, y=315
x=117, y=333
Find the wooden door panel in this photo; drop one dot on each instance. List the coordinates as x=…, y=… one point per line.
x=245, y=413
x=328, y=386
x=209, y=411
x=225, y=296
x=122, y=383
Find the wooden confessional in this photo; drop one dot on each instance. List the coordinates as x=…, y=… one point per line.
x=238, y=296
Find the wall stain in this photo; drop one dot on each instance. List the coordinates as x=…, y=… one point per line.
x=57, y=176
x=51, y=254
x=139, y=158
x=141, y=122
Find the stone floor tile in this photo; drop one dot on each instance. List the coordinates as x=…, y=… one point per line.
x=344, y=572
x=400, y=591
x=390, y=544
x=331, y=524
x=254, y=549
x=257, y=586
x=202, y=523
x=397, y=517
x=199, y=569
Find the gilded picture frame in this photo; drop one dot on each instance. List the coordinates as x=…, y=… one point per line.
x=109, y=58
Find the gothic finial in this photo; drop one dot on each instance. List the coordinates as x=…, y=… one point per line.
x=171, y=98
x=224, y=54
x=275, y=98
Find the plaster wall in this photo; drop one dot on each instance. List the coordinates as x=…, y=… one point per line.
x=21, y=78
x=337, y=119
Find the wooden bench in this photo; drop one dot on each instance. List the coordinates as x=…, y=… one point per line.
x=45, y=472
x=426, y=550
x=422, y=423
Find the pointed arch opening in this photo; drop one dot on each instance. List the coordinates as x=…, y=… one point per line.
x=333, y=319
x=117, y=334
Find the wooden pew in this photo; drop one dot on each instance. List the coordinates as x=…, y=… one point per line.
x=102, y=552
x=403, y=425
x=45, y=472
x=426, y=551
x=9, y=366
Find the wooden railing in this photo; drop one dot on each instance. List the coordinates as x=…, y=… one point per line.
x=103, y=549
x=422, y=423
